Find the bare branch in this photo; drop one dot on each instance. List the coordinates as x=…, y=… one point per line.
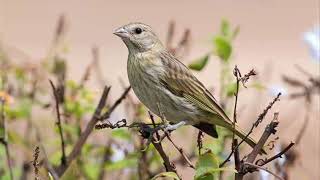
x=264, y=169
x=56, y=96
x=35, y=162
x=85, y=134
x=279, y=155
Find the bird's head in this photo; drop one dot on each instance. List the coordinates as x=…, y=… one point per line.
x=138, y=37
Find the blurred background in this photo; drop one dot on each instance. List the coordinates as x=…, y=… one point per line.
x=279, y=39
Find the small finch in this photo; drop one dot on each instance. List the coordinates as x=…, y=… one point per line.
x=167, y=87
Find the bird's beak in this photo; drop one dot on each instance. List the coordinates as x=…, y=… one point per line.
x=121, y=32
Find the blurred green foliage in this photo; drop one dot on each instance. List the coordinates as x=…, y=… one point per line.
x=28, y=87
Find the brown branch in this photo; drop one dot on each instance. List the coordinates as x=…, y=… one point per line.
x=85, y=134
x=184, y=156
x=47, y=164
x=270, y=129
x=199, y=141
x=166, y=160
x=35, y=162
x=279, y=155
x=264, y=169
x=56, y=96
x=107, y=114
x=235, y=145
x=95, y=118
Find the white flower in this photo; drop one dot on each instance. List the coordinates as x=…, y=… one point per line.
x=274, y=90
x=312, y=38
x=117, y=155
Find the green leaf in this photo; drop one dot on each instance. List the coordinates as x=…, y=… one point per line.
x=258, y=86
x=91, y=170
x=121, y=134
x=199, y=64
x=223, y=48
x=129, y=161
x=231, y=89
x=225, y=28
x=207, y=165
x=166, y=174
x=21, y=110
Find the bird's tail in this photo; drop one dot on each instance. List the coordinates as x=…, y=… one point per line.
x=227, y=123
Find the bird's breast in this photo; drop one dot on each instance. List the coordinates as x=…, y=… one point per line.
x=144, y=77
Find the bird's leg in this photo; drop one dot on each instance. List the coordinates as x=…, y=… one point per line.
x=169, y=127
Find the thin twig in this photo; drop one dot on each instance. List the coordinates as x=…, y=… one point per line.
x=35, y=162
x=59, y=124
x=270, y=129
x=85, y=134
x=264, y=169
x=184, y=156
x=107, y=114
x=199, y=141
x=279, y=155
x=235, y=145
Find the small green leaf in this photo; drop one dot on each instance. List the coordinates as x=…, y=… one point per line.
x=223, y=48
x=121, y=134
x=166, y=174
x=207, y=165
x=199, y=64
x=91, y=170
x=258, y=86
x=225, y=28
x=130, y=161
x=231, y=89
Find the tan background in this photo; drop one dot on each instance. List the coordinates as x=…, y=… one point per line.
x=270, y=41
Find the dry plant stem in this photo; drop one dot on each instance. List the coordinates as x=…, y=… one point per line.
x=158, y=146
x=35, y=163
x=95, y=118
x=235, y=145
x=279, y=155
x=166, y=161
x=47, y=164
x=106, y=158
x=107, y=114
x=199, y=141
x=264, y=169
x=184, y=156
x=85, y=134
x=260, y=118
x=56, y=96
x=3, y=139
x=270, y=129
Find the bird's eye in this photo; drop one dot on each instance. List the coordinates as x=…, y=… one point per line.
x=138, y=30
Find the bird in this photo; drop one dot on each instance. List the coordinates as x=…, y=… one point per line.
x=168, y=88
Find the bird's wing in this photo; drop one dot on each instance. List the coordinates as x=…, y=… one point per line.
x=180, y=81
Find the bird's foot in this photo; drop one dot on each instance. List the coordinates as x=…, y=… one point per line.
x=172, y=127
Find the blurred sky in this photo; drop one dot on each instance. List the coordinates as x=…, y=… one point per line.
x=270, y=38
x=271, y=30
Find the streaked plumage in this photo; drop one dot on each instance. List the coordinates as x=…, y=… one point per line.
x=167, y=87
